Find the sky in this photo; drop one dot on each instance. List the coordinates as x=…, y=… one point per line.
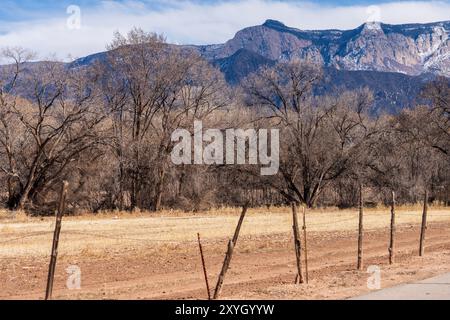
x=68, y=29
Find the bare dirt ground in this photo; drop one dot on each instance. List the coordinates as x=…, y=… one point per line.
x=142, y=256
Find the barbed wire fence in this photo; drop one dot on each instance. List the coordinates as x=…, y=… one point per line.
x=220, y=241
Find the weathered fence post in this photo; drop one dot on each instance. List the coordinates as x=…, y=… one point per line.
x=54, y=255
x=306, y=245
x=239, y=225
x=229, y=254
x=298, y=245
x=392, y=242
x=360, y=229
x=424, y=224
x=225, y=266
x=205, y=273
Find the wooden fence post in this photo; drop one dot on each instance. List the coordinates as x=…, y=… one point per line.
x=360, y=229
x=298, y=245
x=229, y=254
x=205, y=273
x=239, y=225
x=54, y=255
x=225, y=266
x=424, y=224
x=392, y=242
x=306, y=245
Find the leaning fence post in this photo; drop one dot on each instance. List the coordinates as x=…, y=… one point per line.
x=239, y=225
x=225, y=266
x=424, y=224
x=360, y=229
x=298, y=245
x=54, y=255
x=392, y=241
x=229, y=254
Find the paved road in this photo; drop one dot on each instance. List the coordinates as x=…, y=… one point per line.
x=437, y=288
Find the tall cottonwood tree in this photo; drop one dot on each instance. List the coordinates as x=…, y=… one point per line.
x=321, y=137
x=57, y=122
x=437, y=126
x=9, y=124
x=131, y=70
x=154, y=88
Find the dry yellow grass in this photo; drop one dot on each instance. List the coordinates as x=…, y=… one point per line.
x=94, y=235
x=13, y=216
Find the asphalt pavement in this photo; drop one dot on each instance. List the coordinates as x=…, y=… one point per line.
x=437, y=288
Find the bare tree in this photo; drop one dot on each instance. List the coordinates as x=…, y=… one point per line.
x=155, y=88
x=322, y=137
x=55, y=125
x=437, y=128
x=9, y=124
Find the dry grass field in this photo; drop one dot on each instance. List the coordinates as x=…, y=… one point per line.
x=147, y=256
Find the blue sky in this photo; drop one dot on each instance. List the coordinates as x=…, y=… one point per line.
x=14, y=10
x=46, y=26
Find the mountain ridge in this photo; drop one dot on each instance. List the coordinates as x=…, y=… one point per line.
x=394, y=61
x=411, y=49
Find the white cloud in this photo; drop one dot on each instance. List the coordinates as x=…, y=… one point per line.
x=196, y=23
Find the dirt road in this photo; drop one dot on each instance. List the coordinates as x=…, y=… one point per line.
x=157, y=257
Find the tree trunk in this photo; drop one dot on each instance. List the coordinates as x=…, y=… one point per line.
x=159, y=188
x=26, y=191
x=136, y=183
x=14, y=191
x=121, y=188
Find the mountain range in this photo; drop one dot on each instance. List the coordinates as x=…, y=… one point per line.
x=394, y=61
x=411, y=49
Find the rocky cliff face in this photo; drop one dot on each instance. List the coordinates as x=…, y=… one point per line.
x=412, y=49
